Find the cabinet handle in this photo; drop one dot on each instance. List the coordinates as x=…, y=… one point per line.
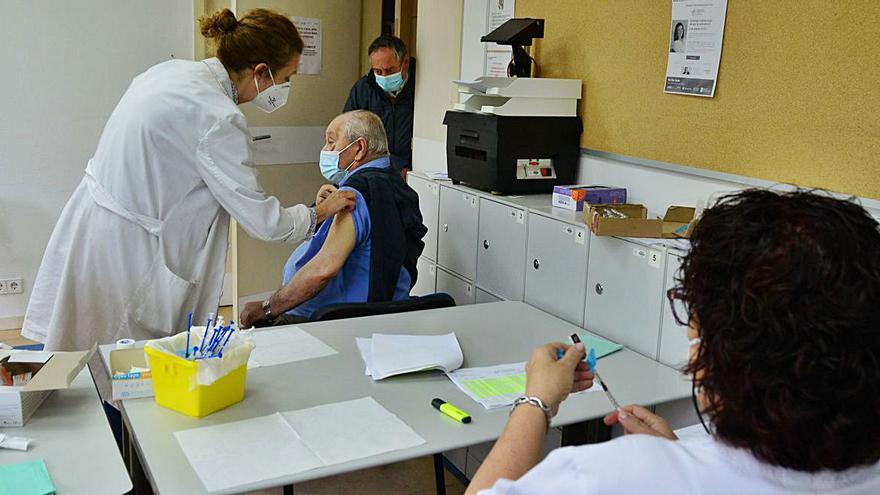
x=445, y=227
x=536, y=263
x=485, y=244
x=599, y=289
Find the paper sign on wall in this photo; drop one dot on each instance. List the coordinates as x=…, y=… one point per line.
x=695, y=37
x=310, y=32
x=498, y=56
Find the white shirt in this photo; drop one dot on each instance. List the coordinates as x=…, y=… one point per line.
x=642, y=464
x=142, y=241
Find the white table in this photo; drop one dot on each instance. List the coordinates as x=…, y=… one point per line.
x=497, y=333
x=70, y=432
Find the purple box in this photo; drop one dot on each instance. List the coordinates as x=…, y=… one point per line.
x=574, y=197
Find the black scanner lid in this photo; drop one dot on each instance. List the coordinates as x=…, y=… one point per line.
x=516, y=32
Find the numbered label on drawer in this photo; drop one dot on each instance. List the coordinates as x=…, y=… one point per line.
x=470, y=199
x=435, y=188
x=652, y=257
x=579, y=235
x=518, y=215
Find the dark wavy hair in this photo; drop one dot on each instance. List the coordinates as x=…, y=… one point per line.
x=784, y=288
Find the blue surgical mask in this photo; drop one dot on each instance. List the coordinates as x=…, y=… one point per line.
x=390, y=84
x=329, y=163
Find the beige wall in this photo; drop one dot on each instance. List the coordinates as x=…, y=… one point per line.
x=439, y=41
x=203, y=49
x=371, y=28
x=259, y=263
x=313, y=101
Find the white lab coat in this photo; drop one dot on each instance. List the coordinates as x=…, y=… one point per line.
x=645, y=464
x=142, y=241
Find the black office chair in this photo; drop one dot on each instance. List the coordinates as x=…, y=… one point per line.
x=355, y=310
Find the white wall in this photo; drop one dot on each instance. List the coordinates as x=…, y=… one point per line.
x=440, y=48
x=65, y=65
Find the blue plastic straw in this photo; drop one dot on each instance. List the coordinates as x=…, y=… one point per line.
x=189, y=324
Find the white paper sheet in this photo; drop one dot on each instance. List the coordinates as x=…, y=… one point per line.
x=285, y=345
x=237, y=454
x=234, y=456
x=696, y=35
x=497, y=386
x=350, y=430
x=20, y=356
x=365, y=345
x=310, y=31
x=392, y=354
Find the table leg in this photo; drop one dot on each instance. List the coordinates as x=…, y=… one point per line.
x=593, y=431
x=139, y=482
x=439, y=474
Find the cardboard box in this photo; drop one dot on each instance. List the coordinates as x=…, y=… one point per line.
x=127, y=384
x=575, y=197
x=18, y=403
x=678, y=221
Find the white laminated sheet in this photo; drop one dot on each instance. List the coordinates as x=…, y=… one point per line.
x=244, y=454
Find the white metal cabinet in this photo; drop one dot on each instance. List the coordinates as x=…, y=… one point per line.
x=429, y=205
x=501, y=248
x=673, y=337
x=426, y=283
x=624, y=292
x=556, y=267
x=485, y=297
x=460, y=289
x=457, y=233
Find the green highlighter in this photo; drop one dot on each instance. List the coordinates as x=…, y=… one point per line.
x=26, y=478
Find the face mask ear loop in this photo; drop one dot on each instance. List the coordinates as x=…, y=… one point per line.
x=697, y=406
x=343, y=149
x=257, y=85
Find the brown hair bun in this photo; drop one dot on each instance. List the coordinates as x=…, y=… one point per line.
x=258, y=36
x=218, y=24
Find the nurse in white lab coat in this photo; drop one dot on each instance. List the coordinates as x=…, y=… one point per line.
x=143, y=240
x=781, y=291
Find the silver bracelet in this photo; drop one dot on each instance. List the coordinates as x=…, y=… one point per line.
x=533, y=401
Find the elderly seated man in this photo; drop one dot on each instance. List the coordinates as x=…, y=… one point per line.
x=365, y=255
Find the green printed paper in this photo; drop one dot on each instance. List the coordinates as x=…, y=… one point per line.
x=602, y=346
x=26, y=478
x=491, y=387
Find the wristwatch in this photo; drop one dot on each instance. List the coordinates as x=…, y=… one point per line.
x=266, y=311
x=533, y=401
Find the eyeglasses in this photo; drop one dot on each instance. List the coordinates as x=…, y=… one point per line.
x=678, y=305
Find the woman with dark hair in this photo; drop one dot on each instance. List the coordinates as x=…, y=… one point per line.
x=782, y=305
x=678, y=38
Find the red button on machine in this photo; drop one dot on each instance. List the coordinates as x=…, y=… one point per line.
x=545, y=172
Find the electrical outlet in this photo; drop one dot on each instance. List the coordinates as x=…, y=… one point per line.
x=11, y=286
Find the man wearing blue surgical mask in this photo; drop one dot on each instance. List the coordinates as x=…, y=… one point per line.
x=388, y=90
x=365, y=255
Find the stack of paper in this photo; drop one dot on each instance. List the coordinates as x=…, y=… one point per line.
x=388, y=354
x=496, y=386
x=245, y=454
x=285, y=345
